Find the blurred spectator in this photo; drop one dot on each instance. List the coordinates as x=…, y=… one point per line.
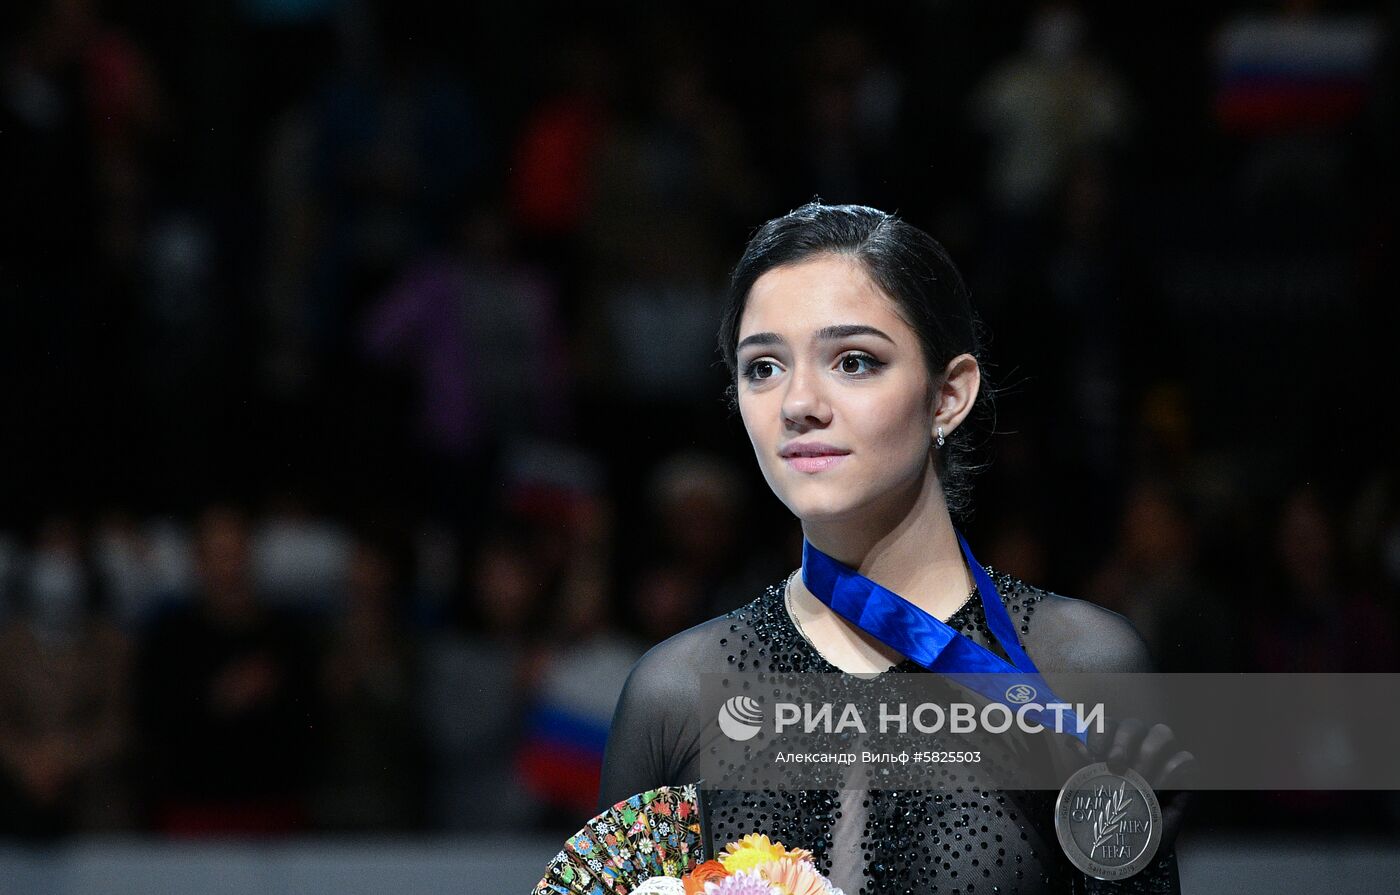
x=478, y=677
x=437, y=577
x=851, y=106
x=696, y=501
x=1090, y=297
x=482, y=333
x=300, y=560
x=370, y=776
x=558, y=490
x=664, y=600
x=665, y=180
x=664, y=183
x=399, y=146
x=1313, y=617
x=65, y=722
x=1073, y=322
x=71, y=72
x=1154, y=579
x=122, y=560
x=553, y=154
x=78, y=108
x=581, y=677
x=142, y=565
x=226, y=698
x=1045, y=108
x=1316, y=618
x=172, y=556
x=48, y=123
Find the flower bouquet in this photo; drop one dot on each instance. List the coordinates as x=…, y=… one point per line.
x=754, y=865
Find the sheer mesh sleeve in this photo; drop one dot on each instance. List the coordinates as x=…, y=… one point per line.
x=1078, y=636
x=656, y=725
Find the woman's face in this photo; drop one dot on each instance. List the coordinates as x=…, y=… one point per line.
x=823, y=357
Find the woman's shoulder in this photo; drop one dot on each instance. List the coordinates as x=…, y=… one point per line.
x=704, y=648
x=1068, y=634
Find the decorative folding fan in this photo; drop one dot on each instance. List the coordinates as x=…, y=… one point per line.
x=659, y=832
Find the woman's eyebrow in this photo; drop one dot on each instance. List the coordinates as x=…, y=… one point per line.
x=844, y=330
x=825, y=334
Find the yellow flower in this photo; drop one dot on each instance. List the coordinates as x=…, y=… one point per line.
x=755, y=849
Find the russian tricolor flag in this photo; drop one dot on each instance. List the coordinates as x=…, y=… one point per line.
x=1285, y=75
x=561, y=758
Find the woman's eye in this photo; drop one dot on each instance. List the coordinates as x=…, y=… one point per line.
x=759, y=369
x=852, y=364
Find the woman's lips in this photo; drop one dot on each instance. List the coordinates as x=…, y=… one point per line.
x=815, y=464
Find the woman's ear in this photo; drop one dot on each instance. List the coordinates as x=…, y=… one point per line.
x=957, y=392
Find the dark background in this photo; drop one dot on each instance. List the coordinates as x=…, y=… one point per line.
x=361, y=423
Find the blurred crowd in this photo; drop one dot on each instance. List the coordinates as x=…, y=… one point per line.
x=363, y=421
x=287, y=672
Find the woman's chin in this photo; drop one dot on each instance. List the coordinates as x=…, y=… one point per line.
x=823, y=508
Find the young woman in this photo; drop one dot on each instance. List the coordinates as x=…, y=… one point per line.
x=853, y=352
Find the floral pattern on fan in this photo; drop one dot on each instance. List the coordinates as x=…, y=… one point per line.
x=654, y=833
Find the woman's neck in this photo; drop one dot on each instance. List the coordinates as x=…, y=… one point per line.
x=908, y=546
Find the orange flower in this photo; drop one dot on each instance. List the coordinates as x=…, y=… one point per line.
x=709, y=871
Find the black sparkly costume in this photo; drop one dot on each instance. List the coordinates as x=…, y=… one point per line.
x=874, y=842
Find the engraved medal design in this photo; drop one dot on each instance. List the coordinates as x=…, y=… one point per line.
x=1108, y=824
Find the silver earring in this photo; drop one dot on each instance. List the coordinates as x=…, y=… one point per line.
x=939, y=439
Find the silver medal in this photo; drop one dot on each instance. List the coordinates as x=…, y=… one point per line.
x=1108, y=824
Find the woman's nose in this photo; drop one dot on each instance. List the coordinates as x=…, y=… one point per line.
x=805, y=401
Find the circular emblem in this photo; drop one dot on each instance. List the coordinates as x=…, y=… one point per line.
x=1108, y=824
x=1020, y=693
x=740, y=717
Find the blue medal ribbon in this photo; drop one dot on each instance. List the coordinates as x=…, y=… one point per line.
x=931, y=643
